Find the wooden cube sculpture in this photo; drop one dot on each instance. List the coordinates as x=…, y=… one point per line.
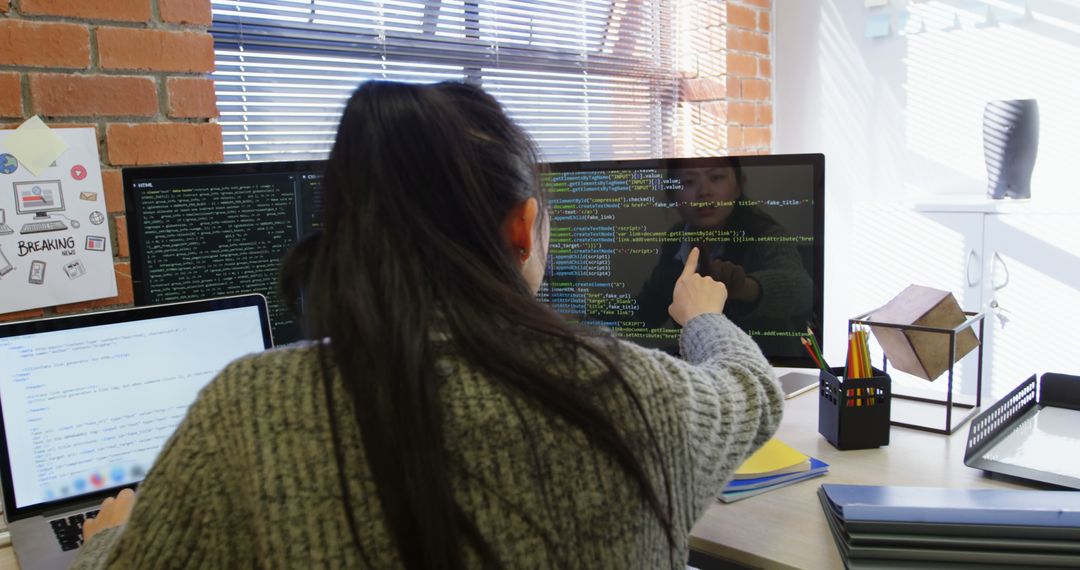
x=921, y=353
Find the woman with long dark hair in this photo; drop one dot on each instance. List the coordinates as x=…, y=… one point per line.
x=442, y=417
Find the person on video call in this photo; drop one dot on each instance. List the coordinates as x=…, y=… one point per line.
x=768, y=285
x=444, y=417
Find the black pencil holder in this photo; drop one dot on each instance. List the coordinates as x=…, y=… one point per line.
x=854, y=414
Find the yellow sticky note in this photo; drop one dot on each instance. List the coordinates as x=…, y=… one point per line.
x=35, y=145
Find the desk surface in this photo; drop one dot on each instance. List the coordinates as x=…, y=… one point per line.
x=786, y=528
x=7, y=553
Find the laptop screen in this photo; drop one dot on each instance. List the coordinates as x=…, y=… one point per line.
x=88, y=407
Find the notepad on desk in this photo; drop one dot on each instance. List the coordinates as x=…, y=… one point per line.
x=743, y=488
x=774, y=458
x=773, y=466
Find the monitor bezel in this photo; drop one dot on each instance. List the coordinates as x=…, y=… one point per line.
x=133, y=200
x=817, y=161
x=129, y=314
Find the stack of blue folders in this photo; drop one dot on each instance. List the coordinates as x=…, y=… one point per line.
x=743, y=488
x=906, y=527
x=776, y=464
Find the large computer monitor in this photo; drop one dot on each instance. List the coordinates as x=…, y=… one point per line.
x=205, y=231
x=617, y=230
x=621, y=230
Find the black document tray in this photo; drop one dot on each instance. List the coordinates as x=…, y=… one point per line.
x=1018, y=437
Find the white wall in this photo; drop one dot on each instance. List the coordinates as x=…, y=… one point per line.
x=901, y=116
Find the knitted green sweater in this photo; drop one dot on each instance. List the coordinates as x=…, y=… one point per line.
x=249, y=478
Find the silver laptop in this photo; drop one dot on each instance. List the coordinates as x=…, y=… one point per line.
x=87, y=401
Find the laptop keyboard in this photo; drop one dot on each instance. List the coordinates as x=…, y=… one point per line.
x=68, y=530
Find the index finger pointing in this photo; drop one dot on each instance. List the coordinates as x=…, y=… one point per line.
x=691, y=263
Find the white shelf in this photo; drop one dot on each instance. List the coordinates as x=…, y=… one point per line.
x=980, y=204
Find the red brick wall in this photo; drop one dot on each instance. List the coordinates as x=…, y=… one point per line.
x=725, y=67
x=135, y=70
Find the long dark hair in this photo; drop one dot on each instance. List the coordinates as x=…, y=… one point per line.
x=416, y=189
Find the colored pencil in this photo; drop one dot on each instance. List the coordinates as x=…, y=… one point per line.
x=810, y=349
x=816, y=349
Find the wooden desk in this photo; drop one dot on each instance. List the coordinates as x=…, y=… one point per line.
x=7, y=553
x=7, y=559
x=786, y=528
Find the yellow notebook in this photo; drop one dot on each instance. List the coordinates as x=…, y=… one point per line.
x=774, y=458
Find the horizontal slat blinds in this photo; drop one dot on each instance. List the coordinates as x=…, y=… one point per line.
x=589, y=79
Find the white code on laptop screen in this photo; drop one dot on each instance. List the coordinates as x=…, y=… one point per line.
x=90, y=408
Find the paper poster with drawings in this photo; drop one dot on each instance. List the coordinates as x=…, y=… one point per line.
x=54, y=240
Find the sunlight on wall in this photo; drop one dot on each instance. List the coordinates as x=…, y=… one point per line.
x=951, y=75
x=1034, y=254
x=845, y=98
x=900, y=117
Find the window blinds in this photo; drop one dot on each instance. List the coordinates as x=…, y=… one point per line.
x=589, y=79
